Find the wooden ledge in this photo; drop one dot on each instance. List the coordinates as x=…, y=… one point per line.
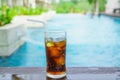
x=73, y=73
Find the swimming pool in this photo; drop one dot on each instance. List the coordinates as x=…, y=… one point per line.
x=90, y=42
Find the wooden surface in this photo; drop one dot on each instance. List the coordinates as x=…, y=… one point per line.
x=73, y=73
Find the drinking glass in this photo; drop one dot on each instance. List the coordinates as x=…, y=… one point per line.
x=55, y=44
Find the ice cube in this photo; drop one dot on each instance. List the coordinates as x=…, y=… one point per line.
x=60, y=60
x=60, y=44
x=54, y=52
x=49, y=39
x=50, y=44
x=59, y=48
x=60, y=39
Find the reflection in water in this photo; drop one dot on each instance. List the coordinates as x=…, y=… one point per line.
x=64, y=78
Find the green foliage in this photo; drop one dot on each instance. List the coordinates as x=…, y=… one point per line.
x=75, y=1
x=102, y=5
x=75, y=6
x=91, y=1
x=6, y=13
x=78, y=6
x=29, y=11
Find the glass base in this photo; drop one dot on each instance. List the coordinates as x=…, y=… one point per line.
x=56, y=76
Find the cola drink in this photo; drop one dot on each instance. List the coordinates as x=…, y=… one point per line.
x=56, y=56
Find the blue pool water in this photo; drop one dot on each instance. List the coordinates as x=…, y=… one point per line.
x=90, y=42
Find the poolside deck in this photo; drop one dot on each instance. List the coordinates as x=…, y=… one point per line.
x=112, y=14
x=34, y=21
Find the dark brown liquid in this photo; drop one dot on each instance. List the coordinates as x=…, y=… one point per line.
x=55, y=52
